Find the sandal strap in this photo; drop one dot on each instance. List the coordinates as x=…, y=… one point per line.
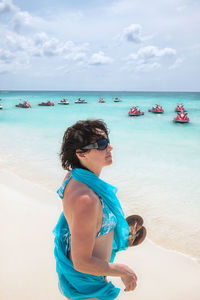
x=132, y=237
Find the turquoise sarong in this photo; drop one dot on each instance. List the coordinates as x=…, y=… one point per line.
x=77, y=285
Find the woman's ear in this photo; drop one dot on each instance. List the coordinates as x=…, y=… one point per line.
x=80, y=154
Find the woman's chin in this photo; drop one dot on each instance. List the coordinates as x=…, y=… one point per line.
x=108, y=162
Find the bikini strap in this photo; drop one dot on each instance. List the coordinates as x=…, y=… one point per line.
x=61, y=190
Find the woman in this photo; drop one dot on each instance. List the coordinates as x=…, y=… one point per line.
x=92, y=227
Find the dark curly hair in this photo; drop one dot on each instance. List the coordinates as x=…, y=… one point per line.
x=76, y=137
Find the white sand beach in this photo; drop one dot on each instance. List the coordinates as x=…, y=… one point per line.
x=28, y=214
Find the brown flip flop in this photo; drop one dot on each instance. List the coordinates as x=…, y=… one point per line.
x=137, y=231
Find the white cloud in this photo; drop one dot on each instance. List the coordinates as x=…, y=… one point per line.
x=22, y=19
x=150, y=53
x=150, y=57
x=16, y=43
x=13, y=53
x=6, y=56
x=7, y=7
x=50, y=46
x=13, y=65
x=17, y=50
x=51, y=37
x=121, y=7
x=177, y=63
x=133, y=33
x=76, y=56
x=71, y=46
x=46, y=46
x=40, y=45
x=18, y=19
x=99, y=58
x=40, y=38
x=147, y=67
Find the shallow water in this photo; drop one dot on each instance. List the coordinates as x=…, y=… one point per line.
x=156, y=163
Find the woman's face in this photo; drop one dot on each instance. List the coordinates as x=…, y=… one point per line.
x=101, y=158
x=97, y=159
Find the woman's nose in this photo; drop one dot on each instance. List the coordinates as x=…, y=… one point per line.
x=109, y=148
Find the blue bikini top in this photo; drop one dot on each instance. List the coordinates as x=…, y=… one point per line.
x=109, y=221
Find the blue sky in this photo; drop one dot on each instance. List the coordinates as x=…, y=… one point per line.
x=124, y=45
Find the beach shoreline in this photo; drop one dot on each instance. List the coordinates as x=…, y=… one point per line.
x=28, y=214
x=40, y=180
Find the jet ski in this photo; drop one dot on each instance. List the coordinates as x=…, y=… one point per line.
x=64, y=102
x=179, y=108
x=101, y=100
x=156, y=109
x=134, y=111
x=26, y=104
x=79, y=100
x=181, y=118
x=48, y=103
x=117, y=100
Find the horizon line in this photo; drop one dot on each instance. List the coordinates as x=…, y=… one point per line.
x=126, y=91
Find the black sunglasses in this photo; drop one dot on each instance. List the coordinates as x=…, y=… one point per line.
x=101, y=144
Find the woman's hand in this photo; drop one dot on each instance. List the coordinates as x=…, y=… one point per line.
x=129, y=282
x=129, y=279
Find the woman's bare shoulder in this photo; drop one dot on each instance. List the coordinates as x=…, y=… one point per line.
x=79, y=195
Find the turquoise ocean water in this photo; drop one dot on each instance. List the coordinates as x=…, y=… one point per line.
x=156, y=163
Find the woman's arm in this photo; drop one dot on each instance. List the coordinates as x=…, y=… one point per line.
x=83, y=233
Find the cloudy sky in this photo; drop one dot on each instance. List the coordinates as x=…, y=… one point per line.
x=124, y=45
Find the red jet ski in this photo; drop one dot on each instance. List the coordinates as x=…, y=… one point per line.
x=135, y=112
x=181, y=118
x=48, y=103
x=179, y=108
x=156, y=109
x=23, y=105
x=101, y=100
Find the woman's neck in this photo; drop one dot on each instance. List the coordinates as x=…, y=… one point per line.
x=93, y=169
